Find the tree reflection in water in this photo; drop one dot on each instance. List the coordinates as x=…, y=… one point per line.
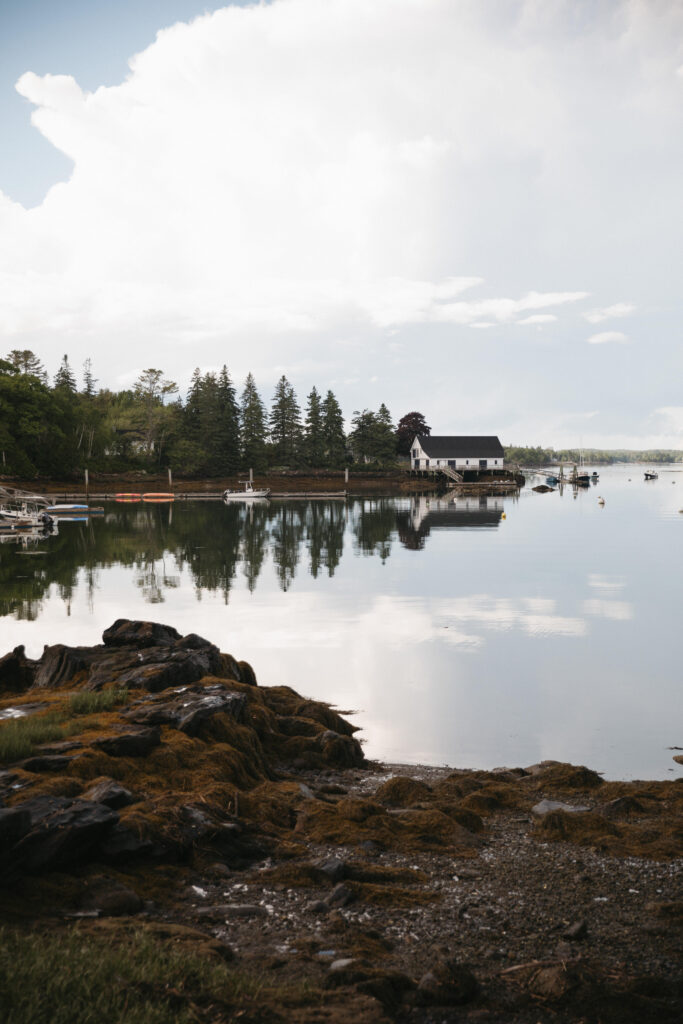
x=211, y=543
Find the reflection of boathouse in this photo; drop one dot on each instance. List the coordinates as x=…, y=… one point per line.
x=467, y=512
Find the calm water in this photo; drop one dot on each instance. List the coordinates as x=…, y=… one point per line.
x=493, y=631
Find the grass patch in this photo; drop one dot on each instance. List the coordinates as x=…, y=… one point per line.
x=19, y=736
x=89, y=703
x=78, y=978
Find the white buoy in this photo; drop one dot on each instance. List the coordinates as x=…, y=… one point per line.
x=601, y=501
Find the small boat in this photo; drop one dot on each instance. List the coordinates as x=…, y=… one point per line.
x=158, y=496
x=651, y=475
x=552, y=480
x=66, y=510
x=248, y=494
x=22, y=510
x=124, y=496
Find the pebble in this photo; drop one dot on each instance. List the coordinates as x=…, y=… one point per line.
x=546, y=806
x=341, y=965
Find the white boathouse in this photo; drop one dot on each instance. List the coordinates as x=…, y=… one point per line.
x=459, y=453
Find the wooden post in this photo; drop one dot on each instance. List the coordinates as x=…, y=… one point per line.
x=251, y=477
x=170, y=479
x=346, y=475
x=86, y=483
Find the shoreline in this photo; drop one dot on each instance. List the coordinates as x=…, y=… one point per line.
x=176, y=805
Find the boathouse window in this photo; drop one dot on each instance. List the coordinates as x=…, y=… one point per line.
x=415, y=452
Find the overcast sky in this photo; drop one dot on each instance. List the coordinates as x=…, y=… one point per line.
x=471, y=208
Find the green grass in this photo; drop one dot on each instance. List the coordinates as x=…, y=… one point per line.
x=19, y=736
x=87, y=702
x=76, y=978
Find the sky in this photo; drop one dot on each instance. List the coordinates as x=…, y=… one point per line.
x=469, y=208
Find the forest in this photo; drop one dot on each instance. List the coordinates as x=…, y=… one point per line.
x=57, y=429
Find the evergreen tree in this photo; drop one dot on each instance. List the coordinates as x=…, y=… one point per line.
x=64, y=378
x=361, y=436
x=89, y=381
x=253, y=427
x=384, y=440
x=314, y=440
x=285, y=423
x=334, y=438
x=229, y=428
x=27, y=362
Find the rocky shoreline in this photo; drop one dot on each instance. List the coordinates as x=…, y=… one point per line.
x=150, y=787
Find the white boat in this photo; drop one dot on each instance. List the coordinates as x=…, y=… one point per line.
x=248, y=494
x=21, y=510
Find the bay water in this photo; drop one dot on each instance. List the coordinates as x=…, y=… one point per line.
x=477, y=632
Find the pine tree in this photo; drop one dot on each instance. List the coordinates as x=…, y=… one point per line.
x=253, y=426
x=334, y=438
x=64, y=378
x=384, y=441
x=89, y=381
x=229, y=429
x=361, y=436
x=27, y=362
x=192, y=424
x=314, y=441
x=285, y=423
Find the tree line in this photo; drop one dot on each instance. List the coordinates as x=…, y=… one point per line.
x=536, y=457
x=61, y=427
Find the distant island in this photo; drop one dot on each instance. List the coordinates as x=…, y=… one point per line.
x=593, y=456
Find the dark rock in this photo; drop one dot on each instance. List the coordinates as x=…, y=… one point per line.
x=14, y=823
x=193, y=641
x=317, y=907
x=121, y=845
x=45, y=763
x=340, y=896
x=576, y=931
x=59, y=664
x=16, y=671
x=447, y=984
x=552, y=982
x=201, y=708
x=188, y=710
x=622, y=807
x=334, y=868
x=58, y=748
x=111, y=898
x=109, y=793
x=139, y=634
x=247, y=673
x=136, y=743
x=63, y=832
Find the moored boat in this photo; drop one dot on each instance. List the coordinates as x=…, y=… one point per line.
x=651, y=475
x=248, y=494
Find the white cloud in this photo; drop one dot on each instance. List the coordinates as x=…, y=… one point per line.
x=605, y=337
x=619, y=309
x=288, y=183
x=538, y=318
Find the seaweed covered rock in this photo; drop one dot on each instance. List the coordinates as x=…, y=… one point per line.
x=159, y=775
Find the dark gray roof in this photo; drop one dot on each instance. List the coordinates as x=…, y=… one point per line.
x=451, y=447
